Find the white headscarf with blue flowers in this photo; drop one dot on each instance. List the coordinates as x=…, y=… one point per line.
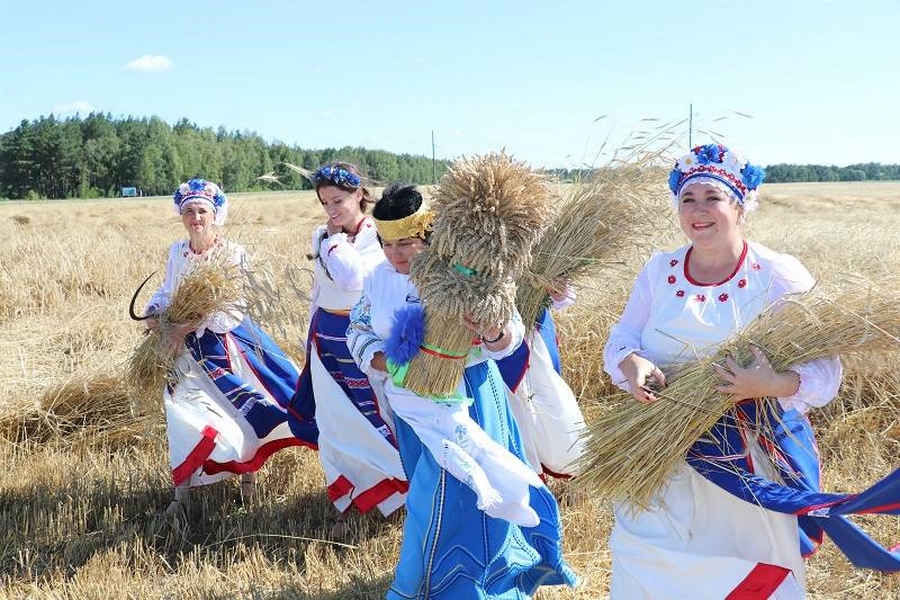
x=717, y=165
x=201, y=190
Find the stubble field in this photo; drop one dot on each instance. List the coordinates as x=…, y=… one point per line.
x=85, y=478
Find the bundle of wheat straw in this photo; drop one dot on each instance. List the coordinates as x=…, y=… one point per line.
x=93, y=409
x=632, y=448
x=214, y=285
x=489, y=211
x=600, y=219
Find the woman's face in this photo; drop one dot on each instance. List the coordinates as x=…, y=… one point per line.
x=400, y=252
x=341, y=206
x=198, y=219
x=708, y=215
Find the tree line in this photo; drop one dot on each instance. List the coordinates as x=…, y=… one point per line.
x=784, y=173
x=787, y=173
x=97, y=155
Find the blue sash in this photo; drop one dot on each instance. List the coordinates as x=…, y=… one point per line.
x=272, y=368
x=513, y=367
x=328, y=338
x=722, y=456
x=547, y=330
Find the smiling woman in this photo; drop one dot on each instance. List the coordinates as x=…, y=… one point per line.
x=226, y=401
x=357, y=446
x=695, y=539
x=479, y=522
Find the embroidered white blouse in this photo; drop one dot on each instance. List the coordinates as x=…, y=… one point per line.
x=180, y=262
x=500, y=480
x=341, y=263
x=386, y=291
x=671, y=318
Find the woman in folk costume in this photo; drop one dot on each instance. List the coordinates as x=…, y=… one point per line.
x=479, y=524
x=357, y=446
x=696, y=540
x=226, y=408
x=544, y=405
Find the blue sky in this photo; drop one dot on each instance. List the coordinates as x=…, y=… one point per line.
x=820, y=79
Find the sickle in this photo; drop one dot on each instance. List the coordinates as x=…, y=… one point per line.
x=131, y=312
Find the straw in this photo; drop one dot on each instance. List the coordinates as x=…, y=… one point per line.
x=213, y=285
x=632, y=448
x=489, y=211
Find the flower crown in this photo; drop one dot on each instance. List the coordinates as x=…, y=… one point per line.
x=717, y=165
x=337, y=175
x=414, y=225
x=201, y=190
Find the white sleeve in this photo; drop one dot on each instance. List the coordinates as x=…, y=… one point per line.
x=819, y=383
x=517, y=330
x=567, y=300
x=362, y=340
x=161, y=298
x=819, y=379
x=625, y=335
x=343, y=262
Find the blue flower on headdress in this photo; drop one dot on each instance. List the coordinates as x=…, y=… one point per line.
x=674, y=178
x=337, y=175
x=710, y=153
x=753, y=176
x=205, y=190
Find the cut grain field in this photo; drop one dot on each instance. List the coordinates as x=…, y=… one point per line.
x=85, y=476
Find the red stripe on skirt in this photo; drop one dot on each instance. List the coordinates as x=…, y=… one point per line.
x=196, y=457
x=760, y=584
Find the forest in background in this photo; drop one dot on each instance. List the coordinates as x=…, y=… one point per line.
x=97, y=155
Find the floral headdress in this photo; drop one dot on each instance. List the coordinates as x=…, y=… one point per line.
x=336, y=175
x=414, y=225
x=717, y=165
x=201, y=190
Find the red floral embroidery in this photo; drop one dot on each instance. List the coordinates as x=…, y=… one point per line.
x=756, y=266
x=680, y=293
x=723, y=297
x=673, y=262
x=701, y=297
x=742, y=283
x=672, y=279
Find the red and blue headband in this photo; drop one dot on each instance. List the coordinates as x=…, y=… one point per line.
x=201, y=190
x=717, y=165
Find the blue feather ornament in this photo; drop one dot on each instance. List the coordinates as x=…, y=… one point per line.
x=406, y=335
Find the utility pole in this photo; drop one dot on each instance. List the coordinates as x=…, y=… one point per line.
x=691, y=126
x=433, y=178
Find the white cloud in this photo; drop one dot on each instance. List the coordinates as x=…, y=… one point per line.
x=150, y=63
x=80, y=106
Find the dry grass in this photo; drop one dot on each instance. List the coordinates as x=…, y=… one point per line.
x=82, y=520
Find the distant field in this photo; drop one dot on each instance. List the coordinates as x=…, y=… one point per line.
x=85, y=483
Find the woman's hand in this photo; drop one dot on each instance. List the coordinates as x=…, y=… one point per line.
x=643, y=377
x=495, y=338
x=559, y=291
x=757, y=380
x=174, y=340
x=379, y=362
x=331, y=228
